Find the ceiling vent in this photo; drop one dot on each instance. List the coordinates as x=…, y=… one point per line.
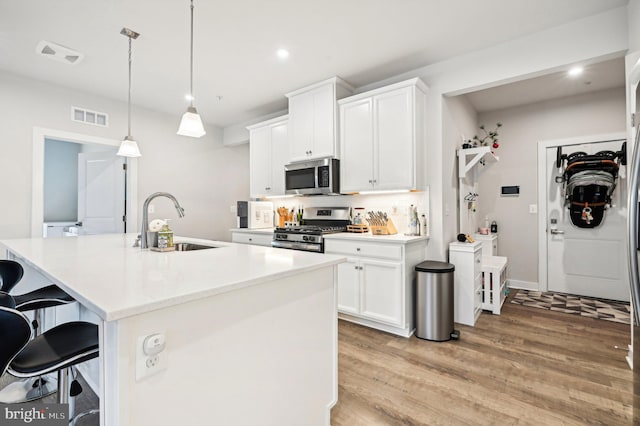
x=82, y=115
x=58, y=53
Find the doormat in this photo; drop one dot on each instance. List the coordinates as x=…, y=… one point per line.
x=608, y=310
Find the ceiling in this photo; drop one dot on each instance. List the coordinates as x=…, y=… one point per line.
x=598, y=76
x=362, y=41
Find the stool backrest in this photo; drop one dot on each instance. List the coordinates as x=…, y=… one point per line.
x=15, y=331
x=11, y=273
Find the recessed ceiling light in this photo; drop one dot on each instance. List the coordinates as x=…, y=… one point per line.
x=188, y=97
x=282, y=53
x=575, y=71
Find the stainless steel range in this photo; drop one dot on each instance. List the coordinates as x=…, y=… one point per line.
x=316, y=222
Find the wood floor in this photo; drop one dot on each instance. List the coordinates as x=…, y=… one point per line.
x=526, y=366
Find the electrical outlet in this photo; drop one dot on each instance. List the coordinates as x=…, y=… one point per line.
x=151, y=355
x=152, y=209
x=533, y=208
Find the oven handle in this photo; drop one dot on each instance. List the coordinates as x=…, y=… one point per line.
x=297, y=246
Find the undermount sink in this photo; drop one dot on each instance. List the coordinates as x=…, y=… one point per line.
x=191, y=246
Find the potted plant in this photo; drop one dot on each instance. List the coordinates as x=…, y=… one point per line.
x=485, y=139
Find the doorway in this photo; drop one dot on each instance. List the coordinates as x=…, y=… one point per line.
x=89, y=143
x=84, y=189
x=582, y=261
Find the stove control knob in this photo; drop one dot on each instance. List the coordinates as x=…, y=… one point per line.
x=305, y=238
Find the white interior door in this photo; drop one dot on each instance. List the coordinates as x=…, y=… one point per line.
x=101, y=193
x=581, y=261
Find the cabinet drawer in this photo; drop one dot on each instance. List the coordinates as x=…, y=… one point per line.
x=256, y=239
x=366, y=249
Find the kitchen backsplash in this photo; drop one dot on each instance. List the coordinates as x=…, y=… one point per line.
x=395, y=205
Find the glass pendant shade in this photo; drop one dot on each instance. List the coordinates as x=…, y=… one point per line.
x=129, y=148
x=191, y=124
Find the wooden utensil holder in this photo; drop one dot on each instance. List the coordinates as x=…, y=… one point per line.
x=388, y=229
x=361, y=229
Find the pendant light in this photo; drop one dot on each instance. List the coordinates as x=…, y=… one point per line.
x=129, y=147
x=191, y=124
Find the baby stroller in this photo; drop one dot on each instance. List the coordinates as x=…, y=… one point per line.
x=589, y=182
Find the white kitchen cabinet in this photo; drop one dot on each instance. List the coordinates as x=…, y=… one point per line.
x=349, y=286
x=382, y=138
x=375, y=285
x=256, y=237
x=382, y=291
x=313, y=120
x=268, y=150
x=467, y=258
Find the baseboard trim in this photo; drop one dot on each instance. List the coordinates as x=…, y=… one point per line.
x=523, y=285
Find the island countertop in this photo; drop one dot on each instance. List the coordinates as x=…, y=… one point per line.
x=115, y=280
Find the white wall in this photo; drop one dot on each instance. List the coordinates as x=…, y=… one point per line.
x=205, y=176
x=634, y=25
x=523, y=127
x=60, y=181
x=459, y=123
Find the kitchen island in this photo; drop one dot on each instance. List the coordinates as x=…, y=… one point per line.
x=251, y=332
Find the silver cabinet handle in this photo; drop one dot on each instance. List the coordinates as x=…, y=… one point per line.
x=556, y=231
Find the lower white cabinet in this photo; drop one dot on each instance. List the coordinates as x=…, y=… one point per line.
x=258, y=238
x=467, y=258
x=375, y=284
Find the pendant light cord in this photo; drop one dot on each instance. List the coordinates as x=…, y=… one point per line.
x=191, y=62
x=129, y=99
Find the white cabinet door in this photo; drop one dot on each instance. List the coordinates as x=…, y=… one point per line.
x=312, y=117
x=394, y=160
x=324, y=113
x=260, y=161
x=279, y=155
x=348, y=274
x=381, y=291
x=301, y=126
x=356, y=136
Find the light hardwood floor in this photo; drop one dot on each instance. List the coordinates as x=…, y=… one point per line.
x=526, y=366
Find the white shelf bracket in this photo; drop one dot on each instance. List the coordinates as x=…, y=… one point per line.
x=479, y=154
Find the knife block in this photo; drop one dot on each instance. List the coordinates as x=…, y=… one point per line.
x=388, y=229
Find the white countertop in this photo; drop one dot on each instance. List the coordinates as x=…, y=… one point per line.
x=254, y=231
x=351, y=236
x=115, y=280
x=396, y=238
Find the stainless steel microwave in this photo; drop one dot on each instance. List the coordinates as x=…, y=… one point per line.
x=317, y=177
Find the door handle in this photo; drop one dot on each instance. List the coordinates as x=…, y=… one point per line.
x=556, y=231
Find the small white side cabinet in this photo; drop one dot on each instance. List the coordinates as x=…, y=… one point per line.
x=313, y=120
x=382, y=138
x=375, y=285
x=489, y=243
x=467, y=258
x=268, y=151
x=257, y=238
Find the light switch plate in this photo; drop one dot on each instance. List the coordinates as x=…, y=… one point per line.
x=148, y=365
x=533, y=208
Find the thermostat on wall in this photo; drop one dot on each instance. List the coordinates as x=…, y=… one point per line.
x=510, y=190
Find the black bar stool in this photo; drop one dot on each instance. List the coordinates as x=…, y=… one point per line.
x=55, y=350
x=11, y=272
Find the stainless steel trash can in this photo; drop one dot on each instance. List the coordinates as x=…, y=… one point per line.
x=434, y=301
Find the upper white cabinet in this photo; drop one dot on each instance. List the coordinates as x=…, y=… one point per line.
x=382, y=138
x=313, y=120
x=268, y=152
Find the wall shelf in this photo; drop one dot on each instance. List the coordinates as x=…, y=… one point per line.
x=481, y=155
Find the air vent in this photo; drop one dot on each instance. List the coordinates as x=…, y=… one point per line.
x=86, y=116
x=58, y=53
